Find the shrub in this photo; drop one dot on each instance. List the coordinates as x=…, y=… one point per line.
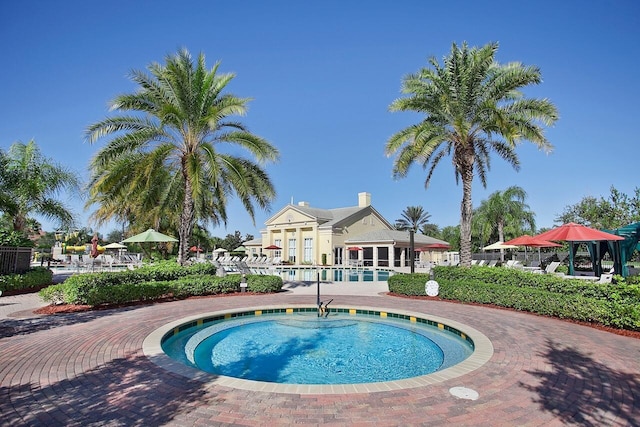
x=151, y=283
x=264, y=283
x=610, y=305
x=32, y=279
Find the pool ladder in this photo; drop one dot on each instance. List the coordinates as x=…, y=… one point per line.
x=323, y=310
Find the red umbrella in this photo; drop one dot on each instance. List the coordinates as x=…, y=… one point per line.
x=354, y=248
x=432, y=246
x=273, y=247
x=573, y=232
x=195, y=249
x=532, y=241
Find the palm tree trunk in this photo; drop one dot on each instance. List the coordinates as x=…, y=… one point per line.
x=501, y=238
x=466, y=213
x=186, y=222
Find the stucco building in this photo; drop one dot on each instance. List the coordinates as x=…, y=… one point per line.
x=302, y=234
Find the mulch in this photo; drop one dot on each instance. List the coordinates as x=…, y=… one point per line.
x=71, y=308
x=76, y=308
x=623, y=332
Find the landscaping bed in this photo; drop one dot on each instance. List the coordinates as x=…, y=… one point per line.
x=609, y=305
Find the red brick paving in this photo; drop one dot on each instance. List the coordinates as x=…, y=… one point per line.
x=88, y=369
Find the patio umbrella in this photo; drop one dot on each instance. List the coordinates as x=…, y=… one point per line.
x=531, y=241
x=354, y=248
x=498, y=245
x=195, y=249
x=432, y=246
x=273, y=248
x=219, y=251
x=150, y=235
x=572, y=232
x=115, y=246
x=94, y=247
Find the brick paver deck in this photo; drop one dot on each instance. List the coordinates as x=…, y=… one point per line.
x=89, y=369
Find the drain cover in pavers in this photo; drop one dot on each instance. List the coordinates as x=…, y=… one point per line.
x=464, y=393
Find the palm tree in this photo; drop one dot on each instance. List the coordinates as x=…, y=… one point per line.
x=413, y=218
x=180, y=118
x=505, y=210
x=31, y=183
x=472, y=106
x=142, y=200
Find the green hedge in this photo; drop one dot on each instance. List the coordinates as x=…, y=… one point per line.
x=607, y=304
x=32, y=279
x=151, y=283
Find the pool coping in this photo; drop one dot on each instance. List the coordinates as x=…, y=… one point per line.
x=483, y=351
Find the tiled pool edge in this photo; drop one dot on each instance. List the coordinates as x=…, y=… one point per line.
x=482, y=353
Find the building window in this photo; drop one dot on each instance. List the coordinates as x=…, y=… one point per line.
x=278, y=252
x=308, y=250
x=292, y=250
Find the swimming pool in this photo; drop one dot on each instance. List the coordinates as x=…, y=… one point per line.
x=479, y=347
x=296, y=274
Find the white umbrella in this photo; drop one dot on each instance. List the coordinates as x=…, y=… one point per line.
x=150, y=235
x=115, y=246
x=498, y=245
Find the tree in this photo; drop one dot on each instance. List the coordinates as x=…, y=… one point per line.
x=413, y=217
x=114, y=236
x=505, y=210
x=30, y=185
x=180, y=119
x=472, y=106
x=232, y=241
x=608, y=214
x=431, y=230
x=141, y=200
x=451, y=234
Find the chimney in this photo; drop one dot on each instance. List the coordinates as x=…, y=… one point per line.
x=305, y=204
x=364, y=200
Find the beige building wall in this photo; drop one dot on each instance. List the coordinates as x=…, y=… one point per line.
x=291, y=227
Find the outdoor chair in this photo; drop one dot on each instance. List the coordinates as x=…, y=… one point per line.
x=551, y=268
x=605, y=278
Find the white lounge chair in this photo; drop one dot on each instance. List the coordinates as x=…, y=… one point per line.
x=605, y=278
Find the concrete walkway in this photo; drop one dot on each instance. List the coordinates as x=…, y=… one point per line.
x=88, y=369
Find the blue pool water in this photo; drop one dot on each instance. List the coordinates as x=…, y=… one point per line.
x=334, y=274
x=305, y=349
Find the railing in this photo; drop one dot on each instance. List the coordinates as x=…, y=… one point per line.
x=14, y=259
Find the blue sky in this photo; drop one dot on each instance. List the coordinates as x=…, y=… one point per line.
x=322, y=75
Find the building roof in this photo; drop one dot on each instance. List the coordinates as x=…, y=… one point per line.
x=253, y=242
x=330, y=217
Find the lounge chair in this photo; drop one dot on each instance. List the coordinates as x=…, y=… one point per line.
x=514, y=264
x=551, y=268
x=605, y=278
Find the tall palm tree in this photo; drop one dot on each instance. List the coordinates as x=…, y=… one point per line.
x=472, y=106
x=506, y=210
x=413, y=218
x=31, y=183
x=179, y=118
